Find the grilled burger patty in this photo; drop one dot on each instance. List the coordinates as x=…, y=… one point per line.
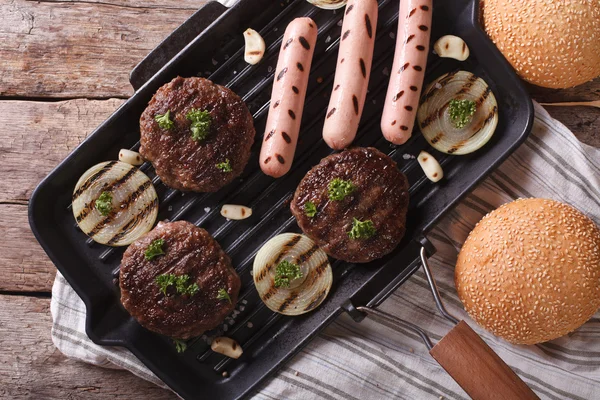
x=188, y=250
x=379, y=195
x=192, y=165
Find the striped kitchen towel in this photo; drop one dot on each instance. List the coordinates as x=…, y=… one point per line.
x=372, y=360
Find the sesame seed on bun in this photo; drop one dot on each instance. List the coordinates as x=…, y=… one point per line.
x=550, y=43
x=529, y=271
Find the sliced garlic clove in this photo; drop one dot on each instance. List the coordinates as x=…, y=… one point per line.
x=328, y=4
x=130, y=157
x=451, y=46
x=236, y=212
x=255, y=47
x=226, y=346
x=431, y=167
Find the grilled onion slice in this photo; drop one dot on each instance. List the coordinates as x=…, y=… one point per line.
x=434, y=119
x=328, y=4
x=132, y=204
x=303, y=294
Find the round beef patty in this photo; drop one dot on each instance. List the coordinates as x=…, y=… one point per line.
x=182, y=162
x=378, y=193
x=157, y=292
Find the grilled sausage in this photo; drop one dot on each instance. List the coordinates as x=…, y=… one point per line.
x=287, y=98
x=408, y=71
x=352, y=74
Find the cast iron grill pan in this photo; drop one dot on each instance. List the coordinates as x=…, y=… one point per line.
x=216, y=52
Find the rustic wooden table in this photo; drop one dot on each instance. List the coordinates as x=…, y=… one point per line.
x=64, y=68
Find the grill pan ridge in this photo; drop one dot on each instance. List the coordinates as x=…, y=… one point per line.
x=216, y=52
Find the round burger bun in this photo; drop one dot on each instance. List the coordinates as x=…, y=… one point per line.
x=530, y=271
x=550, y=43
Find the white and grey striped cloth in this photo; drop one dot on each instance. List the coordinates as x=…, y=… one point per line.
x=373, y=361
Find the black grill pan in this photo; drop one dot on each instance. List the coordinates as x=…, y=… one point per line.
x=217, y=52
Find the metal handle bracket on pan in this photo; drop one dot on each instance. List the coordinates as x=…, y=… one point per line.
x=462, y=353
x=409, y=325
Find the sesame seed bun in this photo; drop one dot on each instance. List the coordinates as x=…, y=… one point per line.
x=530, y=271
x=550, y=43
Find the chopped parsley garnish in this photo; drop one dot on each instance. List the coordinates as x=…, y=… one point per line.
x=310, y=209
x=181, y=283
x=223, y=295
x=154, y=249
x=225, y=166
x=285, y=273
x=338, y=189
x=180, y=345
x=361, y=229
x=104, y=203
x=164, y=120
x=200, y=123
x=461, y=112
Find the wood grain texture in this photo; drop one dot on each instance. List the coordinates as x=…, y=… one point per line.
x=584, y=122
x=32, y=368
x=477, y=368
x=25, y=266
x=78, y=49
x=36, y=136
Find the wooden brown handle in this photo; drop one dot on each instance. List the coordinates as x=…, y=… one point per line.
x=476, y=368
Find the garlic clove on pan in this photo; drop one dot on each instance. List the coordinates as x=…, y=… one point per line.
x=451, y=46
x=431, y=167
x=255, y=46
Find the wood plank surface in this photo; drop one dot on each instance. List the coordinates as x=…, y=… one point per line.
x=32, y=368
x=78, y=49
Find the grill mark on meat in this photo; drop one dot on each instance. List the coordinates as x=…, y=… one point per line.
x=420, y=47
x=411, y=37
x=287, y=44
x=282, y=73
x=292, y=114
x=336, y=88
x=330, y=113
x=414, y=88
x=403, y=67
x=398, y=95
x=280, y=158
x=408, y=108
x=133, y=223
x=363, y=68
x=368, y=26
x=276, y=104
x=300, y=67
x=418, y=68
x=267, y=160
x=286, y=303
x=425, y=8
x=287, y=139
x=412, y=12
x=92, y=179
x=346, y=34
x=304, y=42
x=295, y=89
x=355, y=103
x=394, y=122
x=404, y=127
x=350, y=8
x=424, y=28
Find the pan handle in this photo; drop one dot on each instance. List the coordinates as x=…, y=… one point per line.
x=464, y=355
x=477, y=368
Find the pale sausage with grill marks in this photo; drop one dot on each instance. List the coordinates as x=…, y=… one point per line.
x=287, y=98
x=408, y=71
x=352, y=73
